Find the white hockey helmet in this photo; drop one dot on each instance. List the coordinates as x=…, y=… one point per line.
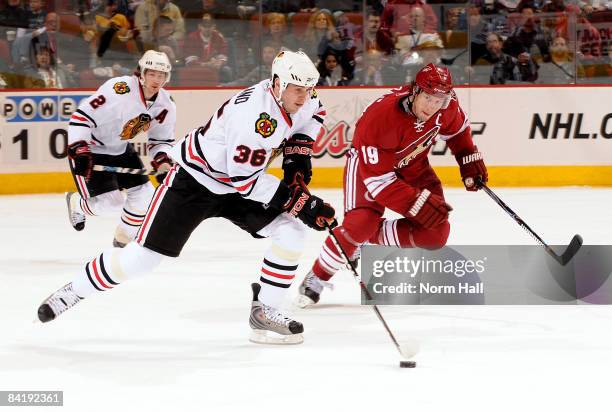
x=295, y=68
x=155, y=60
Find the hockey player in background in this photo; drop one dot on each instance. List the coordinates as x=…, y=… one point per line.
x=387, y=167
x=221, y=172
x=98, y=134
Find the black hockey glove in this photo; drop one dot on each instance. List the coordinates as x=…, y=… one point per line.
x=161, y=164
x=297, y=153
x=80, y=154
x=311, y=210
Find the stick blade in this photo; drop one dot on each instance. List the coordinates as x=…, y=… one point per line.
x=571, y=249
x=410, y=349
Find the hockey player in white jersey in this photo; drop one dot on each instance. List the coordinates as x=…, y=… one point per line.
x=221, y=172
x=99, y=133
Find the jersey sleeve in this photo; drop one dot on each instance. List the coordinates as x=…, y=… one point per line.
x=456, y=131
x=90, y=113
x=247, y=159
x=376, y=168
x=161, y=134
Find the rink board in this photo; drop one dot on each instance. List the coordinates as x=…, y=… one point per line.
x=530, y=136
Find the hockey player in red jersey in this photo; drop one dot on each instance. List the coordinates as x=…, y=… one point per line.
x=387, y=167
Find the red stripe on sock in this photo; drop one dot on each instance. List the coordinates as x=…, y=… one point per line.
x=95, y=268
x=277, y=275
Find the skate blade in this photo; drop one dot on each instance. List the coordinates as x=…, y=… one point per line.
x=303, y=301
x=267, y=337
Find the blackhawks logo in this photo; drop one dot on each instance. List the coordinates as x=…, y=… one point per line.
x=133, y=127
x=121, y=88
x=265, y=125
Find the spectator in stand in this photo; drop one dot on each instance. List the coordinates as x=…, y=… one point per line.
x=555, y=24
x=393, y=24
x=345, y=57
x=416, y=35
x=505, y=67
x=331, y=71
x=44, y=73
x=275, y=32
x=561, y=68
x=373, y=70
x=478, y=30
x=320, y=26
x=225, y=13
x=36, y=14
x=528, y=38
x=372, y=26
x=113, y=27
x=261, y=71
x=163, y=29
x=12, y=17
x=24, y=46
x=453, y=37
x=206, y=47
x=347, y=31
x=148, y=12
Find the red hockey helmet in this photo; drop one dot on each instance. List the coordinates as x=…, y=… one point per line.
x=434, y=80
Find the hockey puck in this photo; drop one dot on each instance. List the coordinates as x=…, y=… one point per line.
x=407, y=364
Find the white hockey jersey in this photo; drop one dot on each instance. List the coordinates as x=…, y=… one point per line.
x=230, y=153
x=117, y=112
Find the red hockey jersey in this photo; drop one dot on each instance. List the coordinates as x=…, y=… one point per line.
x=393, y=146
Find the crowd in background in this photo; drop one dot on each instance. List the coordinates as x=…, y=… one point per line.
x=81, y=43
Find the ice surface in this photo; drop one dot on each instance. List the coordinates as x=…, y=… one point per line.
x=177, y=339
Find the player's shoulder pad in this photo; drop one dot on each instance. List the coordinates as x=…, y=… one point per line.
x=117, y=86
x=164, y=94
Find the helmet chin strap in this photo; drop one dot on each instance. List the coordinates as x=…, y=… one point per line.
x=281, y=89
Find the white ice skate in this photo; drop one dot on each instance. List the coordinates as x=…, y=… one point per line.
x=59, y=302
x=270, y=325
x=310, y=290
x=77, y=219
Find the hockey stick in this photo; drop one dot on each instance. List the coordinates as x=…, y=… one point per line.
x=406, y=351
x=450, y=61
x=564, y=258
x=126, y=170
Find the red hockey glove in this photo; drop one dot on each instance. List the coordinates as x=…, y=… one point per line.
x=429, y=210
x=310, y=209
x=472, y=168
x=161, y=164
x=297, y=153
x=80, y=154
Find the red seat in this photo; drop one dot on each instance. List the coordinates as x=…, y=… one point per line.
x=197, y=77
x=89, y=80
x=355, y=18
x=69, y=23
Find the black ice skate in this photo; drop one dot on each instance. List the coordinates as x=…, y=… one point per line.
x=59, y=302
x=76, y=219
x=272, y=326
x=310, y=290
